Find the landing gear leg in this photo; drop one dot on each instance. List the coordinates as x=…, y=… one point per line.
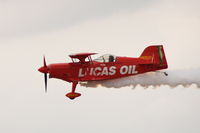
x=74, y=84
x=72, y=95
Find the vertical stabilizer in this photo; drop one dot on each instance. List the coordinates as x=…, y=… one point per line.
x=156, y=54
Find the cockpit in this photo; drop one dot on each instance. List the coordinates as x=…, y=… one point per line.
x=106, y=58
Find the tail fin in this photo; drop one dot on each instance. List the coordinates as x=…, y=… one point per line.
x=155, y=54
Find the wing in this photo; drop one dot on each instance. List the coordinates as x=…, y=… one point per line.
x=81, y=56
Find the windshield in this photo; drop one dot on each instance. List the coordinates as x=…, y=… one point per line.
x=106, y=58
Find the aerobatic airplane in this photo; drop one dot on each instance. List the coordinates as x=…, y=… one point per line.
x=83, y=68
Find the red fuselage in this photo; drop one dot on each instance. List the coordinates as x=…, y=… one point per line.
x=122, y=67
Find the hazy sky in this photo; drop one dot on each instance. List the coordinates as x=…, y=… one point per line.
x=29, y=29
x=33, y=17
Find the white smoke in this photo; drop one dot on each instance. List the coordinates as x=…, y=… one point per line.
x=155, y=79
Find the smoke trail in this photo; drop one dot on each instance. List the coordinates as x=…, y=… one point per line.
x=175, y=77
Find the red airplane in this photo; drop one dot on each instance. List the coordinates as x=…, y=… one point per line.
x=105, y=67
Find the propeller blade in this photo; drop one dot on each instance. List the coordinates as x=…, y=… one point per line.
x=45, y=81
x=45, y=65
x=45, y=74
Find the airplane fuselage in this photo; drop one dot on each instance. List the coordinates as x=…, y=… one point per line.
x=100, y=70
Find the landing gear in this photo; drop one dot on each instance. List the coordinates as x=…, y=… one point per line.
x=72, y=95
x=166, y=74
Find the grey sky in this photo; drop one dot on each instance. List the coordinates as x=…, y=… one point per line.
x=29, y=29
x=33, y=17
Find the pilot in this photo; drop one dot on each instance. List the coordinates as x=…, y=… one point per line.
x=111, y=58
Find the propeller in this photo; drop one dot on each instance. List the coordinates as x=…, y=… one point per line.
x=44, y=70
x=45, y=74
